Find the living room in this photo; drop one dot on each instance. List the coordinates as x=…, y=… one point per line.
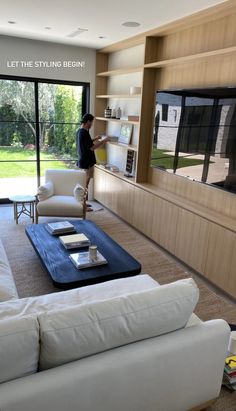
x=160, y=206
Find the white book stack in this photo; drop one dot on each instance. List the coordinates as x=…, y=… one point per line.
x=74, y=241
x=60, y=227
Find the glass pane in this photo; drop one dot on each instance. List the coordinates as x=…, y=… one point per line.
x=17, y=101
x=190, y=165
x=60, y=115
x=17, y=138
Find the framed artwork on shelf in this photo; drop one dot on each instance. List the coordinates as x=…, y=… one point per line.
x=125, y=133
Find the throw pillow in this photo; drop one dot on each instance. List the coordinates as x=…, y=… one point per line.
x=79, y=193
x=73, y=333
x=45, y=191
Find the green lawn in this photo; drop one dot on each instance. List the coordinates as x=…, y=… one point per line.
x=161, y=159
x=25, y=169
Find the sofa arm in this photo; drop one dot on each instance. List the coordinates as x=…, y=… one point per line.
x=45, y=191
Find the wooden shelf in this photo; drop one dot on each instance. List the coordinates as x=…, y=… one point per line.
x=118, y=72
x=125, y=146
x=119, y=175
x=114, y=120
x=193, y=57
x=119, y=96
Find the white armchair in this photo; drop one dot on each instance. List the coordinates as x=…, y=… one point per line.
x=63, y=194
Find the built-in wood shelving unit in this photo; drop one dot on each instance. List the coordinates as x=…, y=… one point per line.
x=125, y=146
x=114, y=120
x=118, y=72
x=193, y=57
x=194, y=222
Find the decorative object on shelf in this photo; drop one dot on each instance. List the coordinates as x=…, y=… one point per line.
x=125, y=133
x=113, y=113
x=130, y=163
x=107, y=113
x=133, y=118
x=111, y=167
x=118, y=113
x=114, y=169
x=135, y=90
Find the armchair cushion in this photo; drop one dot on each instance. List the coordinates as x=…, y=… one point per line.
x=45, y=191
x=60, y=206
x=73, y=333
x=79, y=193
x=64, y=181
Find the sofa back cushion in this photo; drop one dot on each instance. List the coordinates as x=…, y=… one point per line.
x=77, y=332
x=19, y=347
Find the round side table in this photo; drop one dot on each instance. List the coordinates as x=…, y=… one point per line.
x=23, y=205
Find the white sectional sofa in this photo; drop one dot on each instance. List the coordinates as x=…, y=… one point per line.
x=127, y=344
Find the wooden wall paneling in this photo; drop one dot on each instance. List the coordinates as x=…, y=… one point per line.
x=192, y=240
x=143, y=211
x=153, y=49
x=219, y=257
x=215, y=71
x=119, y=197
x=213, y=35
x=164, y=224
x=100, y=185
x=146, y=125
x=232, y=271
x=101, y=62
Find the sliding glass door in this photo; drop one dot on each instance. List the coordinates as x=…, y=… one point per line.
x=38, y=123
x=17, y=138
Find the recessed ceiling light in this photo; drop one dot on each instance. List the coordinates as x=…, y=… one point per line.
x=11, y=22
x=47, y=28
x=131, y=24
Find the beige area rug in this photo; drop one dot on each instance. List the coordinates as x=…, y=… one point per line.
x=31, y=279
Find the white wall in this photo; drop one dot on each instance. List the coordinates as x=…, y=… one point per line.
x=24, y=50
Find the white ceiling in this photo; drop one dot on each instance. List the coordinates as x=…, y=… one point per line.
x=101, y=18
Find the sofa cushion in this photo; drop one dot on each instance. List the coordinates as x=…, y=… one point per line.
x=7, y=285
x=77, y=332
x=77, y=296
x=19, y=347
x=45, y=191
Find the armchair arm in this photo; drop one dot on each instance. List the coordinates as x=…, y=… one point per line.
x=45, y=191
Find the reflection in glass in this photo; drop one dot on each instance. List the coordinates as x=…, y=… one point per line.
x=195, y=135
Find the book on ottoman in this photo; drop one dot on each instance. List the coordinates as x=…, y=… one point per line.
x=74, y=241
x=60, y=227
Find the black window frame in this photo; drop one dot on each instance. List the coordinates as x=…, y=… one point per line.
x=37, y=81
